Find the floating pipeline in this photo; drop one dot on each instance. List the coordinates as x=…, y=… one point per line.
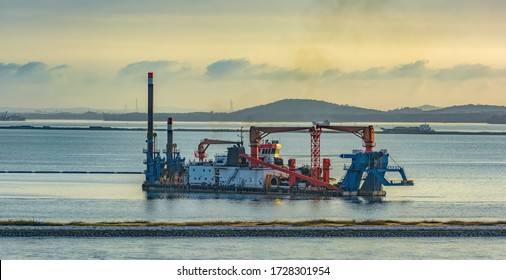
x=108, y=128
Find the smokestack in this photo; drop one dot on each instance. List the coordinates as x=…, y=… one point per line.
x=169, y=137
x=150, y=114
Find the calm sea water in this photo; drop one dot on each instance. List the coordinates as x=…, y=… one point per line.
x=253, y=248
x=456, y=178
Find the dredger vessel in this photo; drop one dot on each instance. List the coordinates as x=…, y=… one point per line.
x=263, y=171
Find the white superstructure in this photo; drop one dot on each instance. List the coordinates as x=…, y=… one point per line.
x=224, y=171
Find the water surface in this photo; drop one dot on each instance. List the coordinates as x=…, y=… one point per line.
x=252, y=248
x=456, y=177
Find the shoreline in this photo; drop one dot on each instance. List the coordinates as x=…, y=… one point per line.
x=302, y=223
x=108, y=128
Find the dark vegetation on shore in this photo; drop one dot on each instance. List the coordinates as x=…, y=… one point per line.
x=309, y=223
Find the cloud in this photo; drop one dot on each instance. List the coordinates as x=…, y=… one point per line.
x=418, y=70
x=8, y=69
x=165, y=68
x=367, y=74
x=344, y=7
x=32, y=68
x=330, y=73
x=60, y=67
x=243, y=69
x=34, y=71
x=228, y=67
x=468, y=71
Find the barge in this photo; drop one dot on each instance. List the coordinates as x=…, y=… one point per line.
x=421, y=129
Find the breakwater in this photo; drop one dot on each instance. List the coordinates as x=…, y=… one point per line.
x=252, y=231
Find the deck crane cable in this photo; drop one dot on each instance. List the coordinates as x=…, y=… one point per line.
x=394, y=161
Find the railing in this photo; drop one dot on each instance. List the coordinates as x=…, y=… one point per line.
x=155, y=151
x=392, y=167
x=368, y=169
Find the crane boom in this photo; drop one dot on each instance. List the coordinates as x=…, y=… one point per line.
x=257, y=133
x=204, y=144
x=366, y=133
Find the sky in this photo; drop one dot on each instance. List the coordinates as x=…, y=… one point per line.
x=222, y=55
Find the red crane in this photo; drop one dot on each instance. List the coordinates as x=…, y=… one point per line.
x=315, y=132
x=256, y=134
x=204, y=144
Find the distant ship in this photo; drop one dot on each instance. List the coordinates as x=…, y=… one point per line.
x=11, y=117
x=421, y=129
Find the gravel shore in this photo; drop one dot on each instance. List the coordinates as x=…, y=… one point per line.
x=252, y=231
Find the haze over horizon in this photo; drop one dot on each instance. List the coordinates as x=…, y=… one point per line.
x=374, y=54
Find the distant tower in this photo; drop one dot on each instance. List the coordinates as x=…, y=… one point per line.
x=136, y=105
x=231, y=105
x=126, y=109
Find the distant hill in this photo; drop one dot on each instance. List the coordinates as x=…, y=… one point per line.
x=301, y=110
x=407, y=110
x=305, y=110
x=428, y=107
x=305, y=105
x=471, y=109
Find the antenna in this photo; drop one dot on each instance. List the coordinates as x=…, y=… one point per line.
x=241, y=136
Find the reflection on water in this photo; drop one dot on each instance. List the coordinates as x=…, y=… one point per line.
x=278, y=199
x=364, y=200
x=160, y=194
